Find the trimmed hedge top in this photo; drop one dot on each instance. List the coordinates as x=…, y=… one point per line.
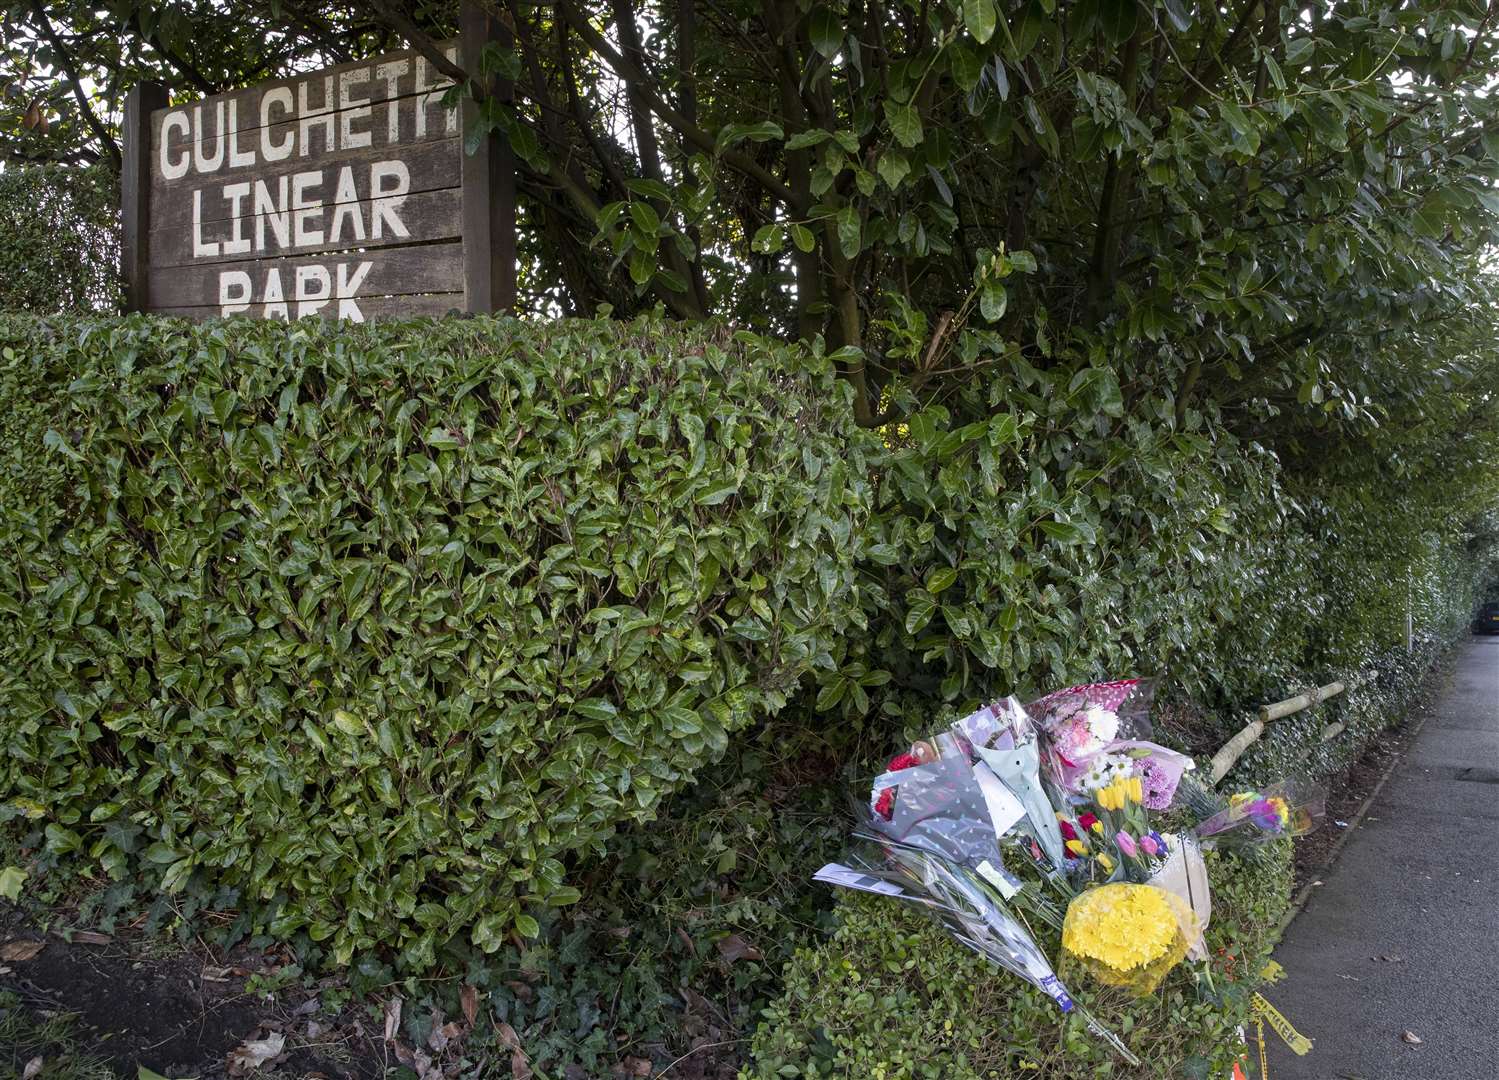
x=375, y=627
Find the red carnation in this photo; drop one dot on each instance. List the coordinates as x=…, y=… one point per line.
x=1068, y=832
x=885, y=804
x=1087, y=820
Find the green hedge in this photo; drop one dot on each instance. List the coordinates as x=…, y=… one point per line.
x=890, y=996
x=59, y=239
x=372, y=628
x=1038, y=530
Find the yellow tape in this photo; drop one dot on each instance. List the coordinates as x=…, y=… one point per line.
x=1261, y=1009
x=1264, y=1065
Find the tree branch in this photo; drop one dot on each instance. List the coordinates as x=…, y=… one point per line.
x=106, y=140
x=693, y=134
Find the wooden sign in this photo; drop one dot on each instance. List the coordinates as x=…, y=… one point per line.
x=343, y=193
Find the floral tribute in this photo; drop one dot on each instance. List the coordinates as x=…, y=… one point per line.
x=1062, y=812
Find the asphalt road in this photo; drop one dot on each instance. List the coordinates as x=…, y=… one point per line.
x=1403, y=934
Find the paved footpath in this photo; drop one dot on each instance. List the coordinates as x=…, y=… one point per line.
x=1403, y=934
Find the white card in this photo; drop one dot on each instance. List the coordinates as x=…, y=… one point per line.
x=1004, y=808
x=998, y=878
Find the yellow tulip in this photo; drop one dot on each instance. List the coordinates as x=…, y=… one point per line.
x=1077, y=848
x=1106, y=862
x=1136, y=789
x=1098, y=827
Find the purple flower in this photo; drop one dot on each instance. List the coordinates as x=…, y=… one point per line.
x=1263, y=813
x=1126, y=844
x=1160, y=782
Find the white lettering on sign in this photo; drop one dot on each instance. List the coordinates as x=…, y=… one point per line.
x=174, y=168
x=314, y=288
x=300, y=211
x=202, y=160
x=239, y=243
x=387, y=200
x=318, y=114
x=270, y=148
x=200, y=248
x=216, y=152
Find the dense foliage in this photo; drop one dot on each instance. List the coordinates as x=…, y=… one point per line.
x=1253, y=197
x=59, y=239
x=376, y=628
x=1170, y=325
x=890, y=995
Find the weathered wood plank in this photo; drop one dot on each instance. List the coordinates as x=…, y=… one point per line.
x=393, y=126
x=429, y=166
x=135, y=188
x=427, y=268
x=379, y=79
x=368, y=308
x=423, y=216
x=488, y=177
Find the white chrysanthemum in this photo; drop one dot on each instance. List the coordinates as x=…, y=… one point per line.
x=1103, y=770
x=1103, y=725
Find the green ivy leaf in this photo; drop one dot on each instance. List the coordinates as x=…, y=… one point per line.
x=940, y=579
x=826, y=31
x=849, y=232
x=11, y=880
x=893, y=167
x=980, y=19
x=905, y=123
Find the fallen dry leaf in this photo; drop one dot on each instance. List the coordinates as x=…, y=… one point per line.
x=392, y=1018
x=442, y=1034
x=1411, y=1037
x=215, y=974
x=468, y=997
x=521, y=990
x=19, y=951
x=90, y=937
x=634, y=1066
x=33, y=1067
x=520, y=1065
x=253, y=1054
x=734, y=948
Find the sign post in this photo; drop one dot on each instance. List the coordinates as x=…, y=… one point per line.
x=135, y=190
x=342, y=193
x=488, y=178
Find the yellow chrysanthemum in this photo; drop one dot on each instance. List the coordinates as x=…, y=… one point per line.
x=1124, y=928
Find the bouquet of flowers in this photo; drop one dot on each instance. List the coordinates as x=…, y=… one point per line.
x=1286, y=808
x=1043, y=814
